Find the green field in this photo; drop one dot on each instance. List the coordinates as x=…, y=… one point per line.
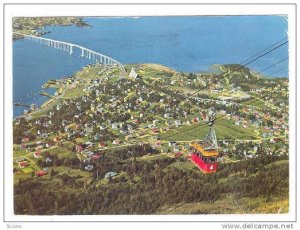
x=19, y=152
x=62, y=152
x=255, y=102
x=27, y=170
x=76, y=92
x=225, y=129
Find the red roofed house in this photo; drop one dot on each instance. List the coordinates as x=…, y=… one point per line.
x=23, y=164
x=37, y=154
x=178, y=154
x=25, y=139
x=40, y=173
x=101, y=144
x=155, y=130
x=95, y=156
x=195, y=120
x=189, y=157
x=79, y=148
x=158, y=143
x=57, y=139
x=116, y=142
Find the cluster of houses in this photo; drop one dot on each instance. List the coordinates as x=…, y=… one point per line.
x=113, y=113
x=23, y=163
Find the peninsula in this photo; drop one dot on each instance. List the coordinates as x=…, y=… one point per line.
x=32, y=25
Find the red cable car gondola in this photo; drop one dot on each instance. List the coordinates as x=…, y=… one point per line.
x=205, y=152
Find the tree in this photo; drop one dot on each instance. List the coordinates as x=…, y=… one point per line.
x=52, y=173
x=110, y=179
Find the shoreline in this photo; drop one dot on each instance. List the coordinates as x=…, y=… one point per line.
x=60, y=89
x=81, y=23
x=33, y=29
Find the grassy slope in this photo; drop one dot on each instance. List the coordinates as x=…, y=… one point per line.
x=230, y=205
x=254, y=102
x=225, y=129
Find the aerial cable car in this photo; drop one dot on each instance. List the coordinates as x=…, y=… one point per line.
x=205, y=152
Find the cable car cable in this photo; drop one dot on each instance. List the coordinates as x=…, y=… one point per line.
x=248, y=62
x=263, y=50
x=218, y=118
x=271, y=66
x=274, y=72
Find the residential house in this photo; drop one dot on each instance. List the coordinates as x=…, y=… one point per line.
x=178, y=123
x=110, y=175
x=23, y=146
x=114, y=126
x=37, y=154
x=96, y=156
x=79, y=147
x=23, y=164
x=101, y=144
x=116, y=142
x=48, y=160
x=25, y=139
x=89, y=167
x=176, y=148
x=41, y=173
x=172, y=143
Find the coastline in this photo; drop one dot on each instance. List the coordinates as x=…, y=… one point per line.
x=107, y=136
x=62, y=86
x=32, y=29
x=82, y=23
x=51, y=99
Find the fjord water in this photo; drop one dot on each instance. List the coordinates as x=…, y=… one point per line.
x=189, y=44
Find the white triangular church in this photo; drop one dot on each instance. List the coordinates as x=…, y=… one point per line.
x=133, y=74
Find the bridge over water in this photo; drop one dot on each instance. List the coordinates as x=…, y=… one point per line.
x=70, y=48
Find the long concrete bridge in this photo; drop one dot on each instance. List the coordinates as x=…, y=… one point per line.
x=69, y=48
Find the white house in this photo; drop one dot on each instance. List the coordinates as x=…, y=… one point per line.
x=114, y=126
x=133, y=75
